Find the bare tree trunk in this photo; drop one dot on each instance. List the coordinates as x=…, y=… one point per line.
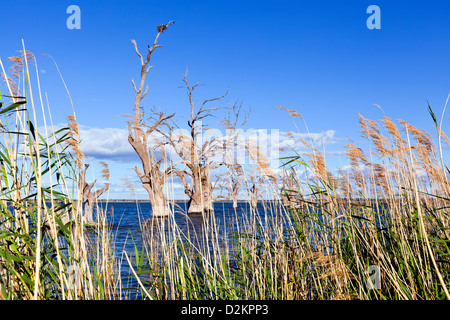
x=255, y=192
x=195, y=205
x=152, y=179
x=198, y=155
x=89, y=198
x=160, y=206
x=235, y=194
x=207, y=190
x=200, y=195
x=235, y=182
x=88, y=212
x=152, y=183
x=254, y=195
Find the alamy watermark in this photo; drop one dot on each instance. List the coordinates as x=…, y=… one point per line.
x=74, y=277
x=374, y=279
x=252, y=146
x=74, y=20
x=374, y=20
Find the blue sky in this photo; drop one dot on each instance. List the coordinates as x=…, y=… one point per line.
x=318, y=58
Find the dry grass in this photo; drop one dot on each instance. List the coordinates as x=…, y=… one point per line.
x=45, y=250
x=388, y=208
x=390, y=213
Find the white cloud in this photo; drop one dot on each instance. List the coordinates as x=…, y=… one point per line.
x=112, y=143
x=107, y=143
x=294, y=140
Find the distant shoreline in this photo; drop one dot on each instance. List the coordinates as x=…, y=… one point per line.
x=176, y=200
x=148, y=201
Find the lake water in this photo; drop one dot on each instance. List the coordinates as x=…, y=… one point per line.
x=126, y=220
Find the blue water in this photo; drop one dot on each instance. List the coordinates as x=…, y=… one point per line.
x=126, y=219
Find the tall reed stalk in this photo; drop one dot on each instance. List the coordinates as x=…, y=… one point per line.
x=45, y=251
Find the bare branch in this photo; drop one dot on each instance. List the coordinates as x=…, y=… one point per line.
x=139, y=173
x=137, y=51
x=213, y=99
x=162, y=118
x=145, y=70
x=99, y=192
x=134, y=85
x=145, y=92
x=171, y=168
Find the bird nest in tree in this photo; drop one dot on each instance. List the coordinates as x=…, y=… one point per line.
x=161, y=28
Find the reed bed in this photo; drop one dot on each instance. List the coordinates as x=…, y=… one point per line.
x=321, y=237
x=46, y=251
x=379, y=229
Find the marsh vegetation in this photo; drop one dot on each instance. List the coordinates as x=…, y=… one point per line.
x=315, y=239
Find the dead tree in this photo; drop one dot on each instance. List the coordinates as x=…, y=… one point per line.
x=261, y=174
x=198, y=188
x=89, y=197
x=233, y=146
x=85, y=195
x=235, y=182
x=198, y=155
x=255, y=191
x=232, y=183
x=152, y=177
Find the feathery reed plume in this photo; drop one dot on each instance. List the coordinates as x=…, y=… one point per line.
x=425, y=150
x=13, y=85
x=344, y=185
x=391, y=127
x=318, y=164
x=380, y=177
x=128, y=184
x=74, y=141
x=17, y=70
x=105, y=174
x=370, y=131
x=292, y=113
x=364, y=127
x=263, y=164
x=422, y=137
x=355, y=154
x=17, y=67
